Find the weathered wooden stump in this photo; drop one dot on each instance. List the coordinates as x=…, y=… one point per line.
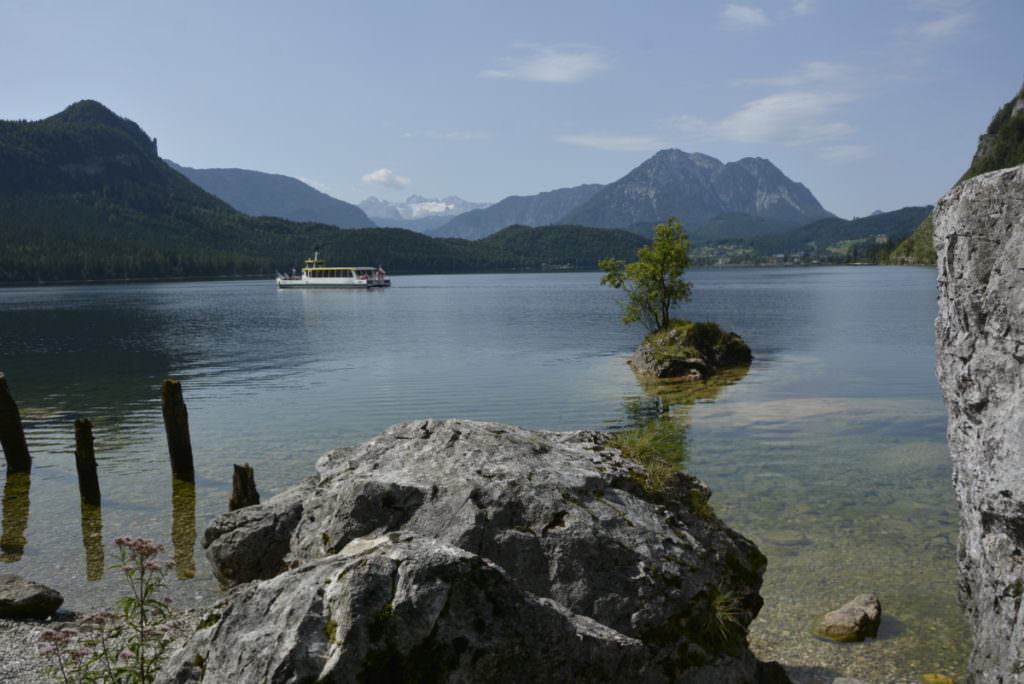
x=85, y=462
x=12, y=435
x=179, y=444
x=243, y=488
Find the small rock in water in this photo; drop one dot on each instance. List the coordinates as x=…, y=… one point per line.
x=855, y=621
x=22, y=598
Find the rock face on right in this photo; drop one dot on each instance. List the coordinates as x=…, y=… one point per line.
x=979, y=239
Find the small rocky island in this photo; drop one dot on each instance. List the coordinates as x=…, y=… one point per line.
x=461, y=551
x=689, y=351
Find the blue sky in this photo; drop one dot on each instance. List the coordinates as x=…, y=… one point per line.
x=873, y=104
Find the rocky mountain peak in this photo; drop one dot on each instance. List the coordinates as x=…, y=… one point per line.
x=696, y=187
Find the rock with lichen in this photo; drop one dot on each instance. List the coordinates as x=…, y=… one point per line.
x=688, y=350
x=494, y=553
x=979, y=238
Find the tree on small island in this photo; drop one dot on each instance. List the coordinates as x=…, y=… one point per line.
x=654, y=282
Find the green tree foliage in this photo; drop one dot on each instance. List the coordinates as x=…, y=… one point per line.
x=654, y=282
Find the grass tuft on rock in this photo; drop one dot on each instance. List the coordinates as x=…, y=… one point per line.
x=658, y=447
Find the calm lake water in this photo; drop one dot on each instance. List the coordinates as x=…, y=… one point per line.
x=830, y=452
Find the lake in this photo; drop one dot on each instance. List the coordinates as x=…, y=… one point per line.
x=830, y=452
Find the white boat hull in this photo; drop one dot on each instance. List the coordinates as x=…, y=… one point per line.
x=315, y=274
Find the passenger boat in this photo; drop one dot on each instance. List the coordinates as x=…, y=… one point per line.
x=315, y=273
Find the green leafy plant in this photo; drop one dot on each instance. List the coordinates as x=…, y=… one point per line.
x=128, y=645
x=654, y=282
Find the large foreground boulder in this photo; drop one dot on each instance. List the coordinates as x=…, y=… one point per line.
x=487, y=552
x=979, y=239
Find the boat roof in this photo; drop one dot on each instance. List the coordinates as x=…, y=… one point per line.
x=350, y=268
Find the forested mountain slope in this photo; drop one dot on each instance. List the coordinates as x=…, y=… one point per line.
x=1000, y=147
x=85, y=196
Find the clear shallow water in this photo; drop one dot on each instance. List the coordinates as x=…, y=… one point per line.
x=829, y=453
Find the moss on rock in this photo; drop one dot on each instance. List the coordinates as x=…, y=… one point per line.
x=685, y=349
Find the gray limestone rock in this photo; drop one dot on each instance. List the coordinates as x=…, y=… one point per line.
x=401, y=608
x=562, y=516
x=979, y=239
x=23, y=598
x=855, y=621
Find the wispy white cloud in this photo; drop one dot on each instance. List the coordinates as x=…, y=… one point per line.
x=844, y=153
x=803, y=7
x=793, y=117
x=744, y=17
x=810, y=73
x=945, y=26
x=551, y=66
x=616, y=143
x=386, y=178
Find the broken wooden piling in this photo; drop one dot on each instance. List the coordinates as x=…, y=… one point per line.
x=179, y=444
x=12, y=435
x=85, y=462
x=243, y=488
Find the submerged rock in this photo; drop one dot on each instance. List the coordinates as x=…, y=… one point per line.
x=855, y=621
x=689, y=350
x=23, y=598
x=979, y=238
x=490, y=552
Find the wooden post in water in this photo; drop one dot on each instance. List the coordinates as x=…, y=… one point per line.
x=12, y=435
x=243, y=488
x=85, y=462
x=179, y=444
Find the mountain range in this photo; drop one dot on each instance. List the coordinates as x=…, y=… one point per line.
x=422, y=214
x=84, y=196
x=712, y=199
x=543, y=209
x=696, y=188
x=269, y=194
